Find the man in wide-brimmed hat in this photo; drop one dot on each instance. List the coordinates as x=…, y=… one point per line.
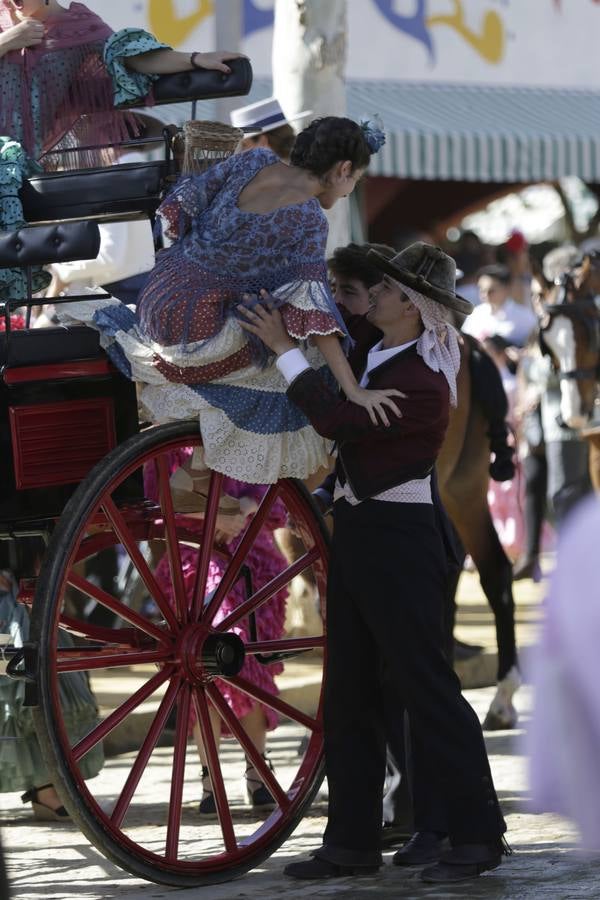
x=387, y=578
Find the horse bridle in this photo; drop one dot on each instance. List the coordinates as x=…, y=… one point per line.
x=585, y=310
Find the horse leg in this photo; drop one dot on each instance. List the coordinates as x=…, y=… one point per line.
x=464, y=495
x=495, y=575
x=593, y=439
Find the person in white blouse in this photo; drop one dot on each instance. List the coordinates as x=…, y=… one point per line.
x=498, y=313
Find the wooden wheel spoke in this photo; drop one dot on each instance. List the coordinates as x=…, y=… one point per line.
x=280, y=706
x=263, y=770
x=74, y=660
x=99, y=633
x=116, y=606
x=173, y=549
x=98, y=733
x=208, y=535
x=239, y=557
x=214, y=768
x=126, y=538
x=144, y=754
x=178, y=773
x=265, y=593
x=284, y=645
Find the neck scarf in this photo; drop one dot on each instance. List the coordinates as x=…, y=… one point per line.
x=60, y=88
x=438, y=343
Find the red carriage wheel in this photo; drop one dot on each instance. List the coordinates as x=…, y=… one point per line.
x=187, y=648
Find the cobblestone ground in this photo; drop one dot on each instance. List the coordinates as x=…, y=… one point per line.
x=55, y=862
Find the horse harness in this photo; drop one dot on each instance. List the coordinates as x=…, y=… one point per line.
x=585, y=310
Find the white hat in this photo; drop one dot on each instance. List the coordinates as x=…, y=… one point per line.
x=266, y=115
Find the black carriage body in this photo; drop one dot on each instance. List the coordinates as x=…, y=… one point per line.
x=63, y=407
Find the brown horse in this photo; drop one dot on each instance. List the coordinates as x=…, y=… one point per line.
x=569, y=316
x=463, y=477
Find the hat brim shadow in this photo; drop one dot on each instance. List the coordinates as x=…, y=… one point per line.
x=419, y=283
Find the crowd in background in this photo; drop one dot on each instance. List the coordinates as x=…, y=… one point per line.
x=552, y=459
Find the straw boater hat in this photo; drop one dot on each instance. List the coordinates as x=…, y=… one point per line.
x=427, y=270
x=264, y=116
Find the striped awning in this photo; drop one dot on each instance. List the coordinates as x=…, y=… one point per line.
x=467, y=133
x=458, y=132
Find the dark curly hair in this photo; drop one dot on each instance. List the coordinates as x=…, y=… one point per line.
x=327, y=141
x=352, y=261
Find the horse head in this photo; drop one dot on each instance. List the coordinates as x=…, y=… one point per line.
x=569, y=315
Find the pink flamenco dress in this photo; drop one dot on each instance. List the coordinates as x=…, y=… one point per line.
x=264, y=562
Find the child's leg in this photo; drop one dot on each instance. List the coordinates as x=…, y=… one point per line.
x=215, y=721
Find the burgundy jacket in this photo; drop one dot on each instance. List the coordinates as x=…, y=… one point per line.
x=374, y=458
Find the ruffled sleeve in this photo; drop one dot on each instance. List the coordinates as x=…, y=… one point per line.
x=309, y=308
x=129, y=86
x=304, y=295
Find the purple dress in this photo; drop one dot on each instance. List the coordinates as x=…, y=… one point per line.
x=564, y=737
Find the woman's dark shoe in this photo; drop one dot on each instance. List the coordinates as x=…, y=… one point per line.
x=321, y=869
x=424, y=847
x=42, y=811
x=257, y=794
x=463, y=863
x=207, y=807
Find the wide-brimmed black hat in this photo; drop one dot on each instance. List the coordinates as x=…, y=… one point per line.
x=426, y=269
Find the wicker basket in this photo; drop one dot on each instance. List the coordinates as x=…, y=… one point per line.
x=207, y=143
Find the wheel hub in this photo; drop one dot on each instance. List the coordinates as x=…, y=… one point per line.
x=206, y=655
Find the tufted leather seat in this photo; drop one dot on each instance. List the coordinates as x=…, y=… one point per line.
x=84, y=193
x=44, y=244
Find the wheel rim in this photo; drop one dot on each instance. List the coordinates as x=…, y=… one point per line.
x=188, y=658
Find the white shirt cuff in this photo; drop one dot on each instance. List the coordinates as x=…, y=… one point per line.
x=291, y=364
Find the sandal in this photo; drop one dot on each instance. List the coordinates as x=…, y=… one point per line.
x=257, y=793
x=42, y=811
x=207, y=807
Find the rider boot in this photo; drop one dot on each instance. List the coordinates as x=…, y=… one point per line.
x=489, y=393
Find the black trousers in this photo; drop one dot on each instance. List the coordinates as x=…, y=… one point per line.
x=385, y=600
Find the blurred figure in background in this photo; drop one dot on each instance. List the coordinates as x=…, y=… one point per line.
x=470, y=255
x=557, y=475
x=504, y=497
x=564, y=739
x=498, y=312
x=514, y=254
x=266, y=125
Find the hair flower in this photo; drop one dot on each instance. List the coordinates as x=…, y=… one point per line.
x=374, y=134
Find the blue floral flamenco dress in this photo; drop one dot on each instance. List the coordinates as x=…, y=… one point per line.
x=185, y=343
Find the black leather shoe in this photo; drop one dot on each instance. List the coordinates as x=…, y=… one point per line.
x=321, y=869
x=463, y=863
x=424, y=847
